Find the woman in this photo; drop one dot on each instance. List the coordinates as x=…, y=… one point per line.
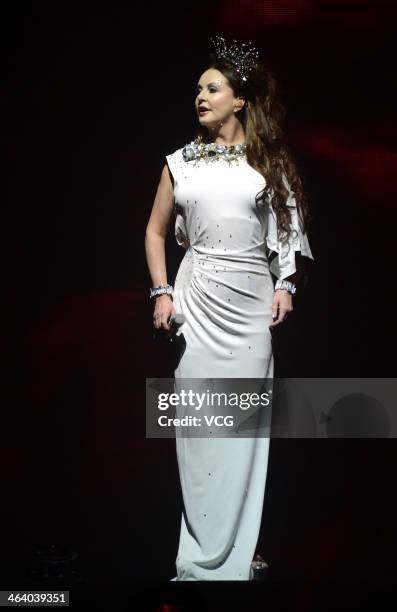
x=236, y=193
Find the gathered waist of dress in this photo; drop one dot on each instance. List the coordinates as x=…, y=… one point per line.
x=251, y=260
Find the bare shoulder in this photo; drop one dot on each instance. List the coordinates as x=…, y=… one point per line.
x=167, y=177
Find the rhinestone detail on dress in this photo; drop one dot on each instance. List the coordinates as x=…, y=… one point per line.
x=211, y=152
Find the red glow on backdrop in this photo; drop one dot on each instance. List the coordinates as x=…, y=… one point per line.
x=254, y=15
x=83, y=332
x=371, y=168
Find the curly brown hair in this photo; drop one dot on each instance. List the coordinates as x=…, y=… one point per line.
x=266, y=152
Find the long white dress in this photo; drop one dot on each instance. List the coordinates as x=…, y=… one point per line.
x=225, y=290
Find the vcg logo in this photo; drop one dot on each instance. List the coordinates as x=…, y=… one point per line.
x=218, y=420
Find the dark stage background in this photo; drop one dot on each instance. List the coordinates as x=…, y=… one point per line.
x=92, y=101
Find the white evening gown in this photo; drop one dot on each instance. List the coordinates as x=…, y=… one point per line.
x=225, y=290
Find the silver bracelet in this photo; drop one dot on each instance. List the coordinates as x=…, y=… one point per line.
x=283, y=284
x=160, y=290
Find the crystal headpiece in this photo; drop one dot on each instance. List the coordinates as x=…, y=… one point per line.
x=242, y=55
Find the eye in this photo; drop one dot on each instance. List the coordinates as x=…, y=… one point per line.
x=211, y=90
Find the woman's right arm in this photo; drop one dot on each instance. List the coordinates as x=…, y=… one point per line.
x=156, y=233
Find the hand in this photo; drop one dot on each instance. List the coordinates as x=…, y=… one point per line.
x=282, y=305
x=163, y=311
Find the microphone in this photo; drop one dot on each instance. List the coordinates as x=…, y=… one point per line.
x=176, y=321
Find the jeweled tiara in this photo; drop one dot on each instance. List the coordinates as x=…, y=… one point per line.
x=242, y=55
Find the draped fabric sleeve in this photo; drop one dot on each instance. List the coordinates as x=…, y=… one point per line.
x=283, y=265
x=181, y=236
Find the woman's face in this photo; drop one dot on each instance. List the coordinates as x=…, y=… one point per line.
x=215, y=94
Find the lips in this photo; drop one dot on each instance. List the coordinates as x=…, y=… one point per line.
x=202, y=108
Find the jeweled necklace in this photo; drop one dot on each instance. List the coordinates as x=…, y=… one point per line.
x=197, y=150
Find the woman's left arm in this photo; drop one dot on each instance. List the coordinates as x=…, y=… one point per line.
x=300, y=264
x=283, y=300
x=287, y=261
